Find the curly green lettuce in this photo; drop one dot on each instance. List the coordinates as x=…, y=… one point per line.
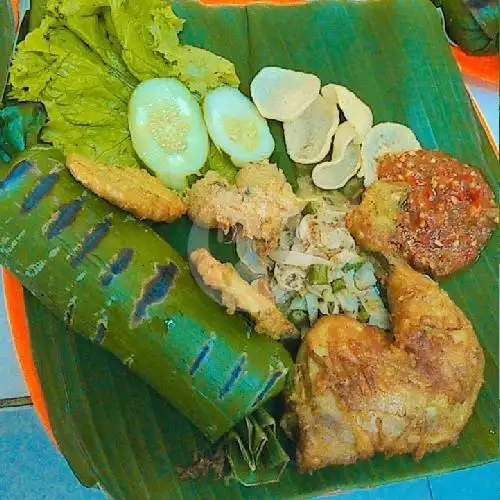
x=86, y=58
x=86, y=100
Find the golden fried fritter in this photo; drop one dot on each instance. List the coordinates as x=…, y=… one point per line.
x=358, y=393
x=259, y=204
x=446, y=218
x=131, y=189
x=238, y=294
x=373, y=223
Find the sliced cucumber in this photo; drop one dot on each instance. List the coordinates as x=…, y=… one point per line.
x=167, y=130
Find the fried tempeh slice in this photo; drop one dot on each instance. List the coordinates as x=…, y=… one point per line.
x=237, y=293
x=131, y=189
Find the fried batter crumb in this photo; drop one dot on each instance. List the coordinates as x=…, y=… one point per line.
x=202, y=465
x=238, y=294
x=131, y=189
x=259, y=205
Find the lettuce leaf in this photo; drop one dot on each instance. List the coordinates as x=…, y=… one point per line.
x=200, y=69
x=86, y=100
x=148, y=32
x=86, y=58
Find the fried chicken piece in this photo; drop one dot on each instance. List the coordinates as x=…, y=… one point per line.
x=131, y=189
x=358, y=393
x=440, y=225
x=238, y=294
x=259, y=205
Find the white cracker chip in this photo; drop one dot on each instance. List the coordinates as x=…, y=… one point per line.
x=386, y=137
x=282, y=94
x=309, y=136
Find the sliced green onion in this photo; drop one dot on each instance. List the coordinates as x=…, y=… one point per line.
x=352, y=266
x=298, y=303
x=312, y=208
x=298, y=317
x=337, y=285
x=353, y=188
x=363, y=315
x=318, y=274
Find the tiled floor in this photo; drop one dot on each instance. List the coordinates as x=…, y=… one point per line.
x=11, y=382
x=31, y=468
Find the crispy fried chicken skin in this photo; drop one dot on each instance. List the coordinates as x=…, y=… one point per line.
x=427, y=207
x=259, y=204
x=131, y=189
x=238, y=294
x=357, y=393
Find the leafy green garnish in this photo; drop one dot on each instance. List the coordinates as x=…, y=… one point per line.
x=255, y=454
x=220, y=163
x=363, y=315
x=20, y=126
x=298, y=317
x=317, y=274
x=87, y=56
x=353, y=189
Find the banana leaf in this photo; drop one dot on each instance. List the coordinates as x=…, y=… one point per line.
x=255, y=454
x=8, y=34
x=116, y=432
x=12, y=14
x=472, y=24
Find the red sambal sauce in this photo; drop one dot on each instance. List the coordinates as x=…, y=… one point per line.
x=450, y=209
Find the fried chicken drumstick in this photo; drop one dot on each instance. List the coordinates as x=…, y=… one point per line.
x=357, y=392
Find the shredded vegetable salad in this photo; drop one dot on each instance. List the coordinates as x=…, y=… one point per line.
x=317, y=269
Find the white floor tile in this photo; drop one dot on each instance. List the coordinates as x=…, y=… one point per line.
x=488, y=101
x=11, y=381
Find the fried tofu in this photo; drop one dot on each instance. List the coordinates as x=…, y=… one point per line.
x=238, y=294
x=357, y=392
x=131, y=189
x=374, y=223
x=259, y=205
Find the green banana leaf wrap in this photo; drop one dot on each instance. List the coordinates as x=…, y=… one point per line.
x=114, y=280
x=473, y=24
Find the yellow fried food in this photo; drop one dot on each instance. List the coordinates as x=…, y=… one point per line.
x=238, y=294
x=259, y=205
x=373, y=223
x=358, y=393
x=131, y=189
x=443, y=221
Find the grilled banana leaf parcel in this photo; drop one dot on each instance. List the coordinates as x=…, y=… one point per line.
x=114, y=280
x=472, y=24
